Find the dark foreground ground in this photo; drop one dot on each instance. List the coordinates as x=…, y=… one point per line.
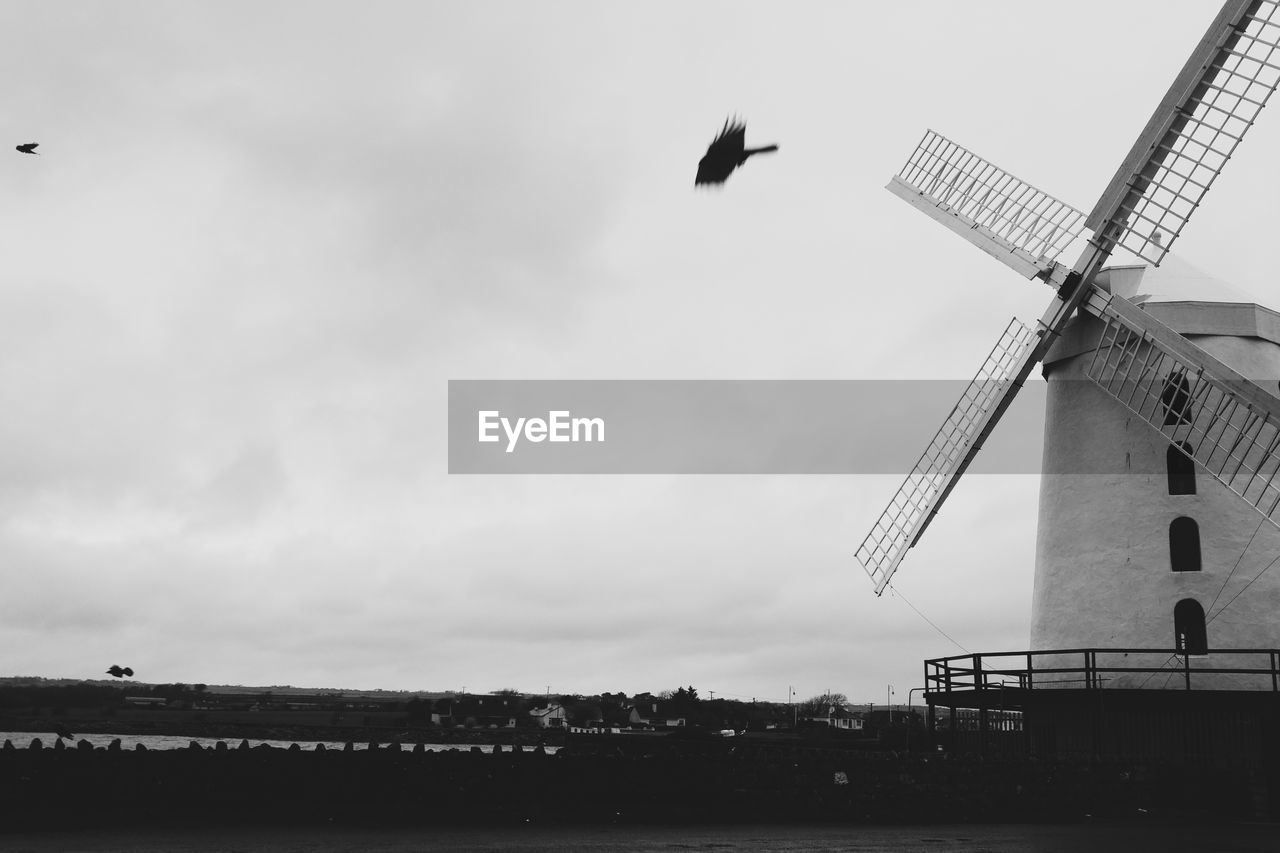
x=657, y=796
x=1107, y=837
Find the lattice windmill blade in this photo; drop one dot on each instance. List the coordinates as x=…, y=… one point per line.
x=1194, y=131
x=1226, y=423
x=1019, y=225
x=1026, y=229
x=935, y=474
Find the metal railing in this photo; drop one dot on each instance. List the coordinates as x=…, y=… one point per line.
x=1099, y=668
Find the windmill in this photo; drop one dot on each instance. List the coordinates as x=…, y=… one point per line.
x=1189, y=398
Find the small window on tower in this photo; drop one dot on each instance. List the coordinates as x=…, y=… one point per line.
x=1176, y=399
x=1189, y=634
x=1182, y=471
x=1184, y=545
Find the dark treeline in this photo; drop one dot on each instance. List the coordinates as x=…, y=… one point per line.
x=682, y=707
x=60, y=696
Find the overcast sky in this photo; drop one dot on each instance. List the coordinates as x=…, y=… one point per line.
x=262, y=237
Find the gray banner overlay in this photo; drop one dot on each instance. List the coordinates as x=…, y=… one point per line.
x=721, y=426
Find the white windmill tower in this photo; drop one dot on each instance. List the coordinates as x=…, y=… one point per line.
x=1146, y=400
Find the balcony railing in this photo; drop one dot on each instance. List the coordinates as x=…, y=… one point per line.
x=1097, y=669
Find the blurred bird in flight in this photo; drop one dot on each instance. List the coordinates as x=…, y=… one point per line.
x=726, y=152
x=120, y=671
x=28, y=148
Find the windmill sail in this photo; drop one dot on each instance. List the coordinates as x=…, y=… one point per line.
x=1212, y=103
x=1004, y=216
x=948, y=454
x=1227, y=424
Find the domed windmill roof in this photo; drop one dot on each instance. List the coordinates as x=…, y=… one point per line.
x=1192, y=301
x=1175, y=280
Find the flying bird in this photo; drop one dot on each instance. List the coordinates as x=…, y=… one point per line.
x=63, y=732
x=28, y=148
x=726, y=152
x=120, y=671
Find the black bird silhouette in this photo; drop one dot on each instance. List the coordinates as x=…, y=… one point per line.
x=63, y=732
x=120, y=671
x=28, y=148
x=726, y=152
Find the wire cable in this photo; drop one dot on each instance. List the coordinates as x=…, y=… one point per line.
x=898, y=594
x=1242, y=589
x=1231, y=573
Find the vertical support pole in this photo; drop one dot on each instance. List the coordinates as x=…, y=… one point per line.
x=928, y=714
x=951, y=724
x=1098, y=722
x=931, y=719
x=984, y=716
x=1028, y=745
x=980, y=682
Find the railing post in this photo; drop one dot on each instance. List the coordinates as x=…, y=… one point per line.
x=1275, y=676
x=1030, y=672
x=979, y=680
x=1186, y=667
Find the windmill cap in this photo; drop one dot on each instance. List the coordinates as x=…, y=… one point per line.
x=1175, y=280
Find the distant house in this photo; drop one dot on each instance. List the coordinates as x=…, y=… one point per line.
x=146, y=701
x=656, y=715
x=594, y=730
x=481, y=712
x=551, y=717
x=837, y=717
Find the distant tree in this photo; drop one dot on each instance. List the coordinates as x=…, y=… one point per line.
x=682, y=700
x=506, y=691
x=581, y=713
x=821, y=705
x=616, y=715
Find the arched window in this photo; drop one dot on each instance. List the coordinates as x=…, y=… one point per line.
x=1176, y=399
x=1184, y=545
x=1189, y=635
x=1182, y=471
